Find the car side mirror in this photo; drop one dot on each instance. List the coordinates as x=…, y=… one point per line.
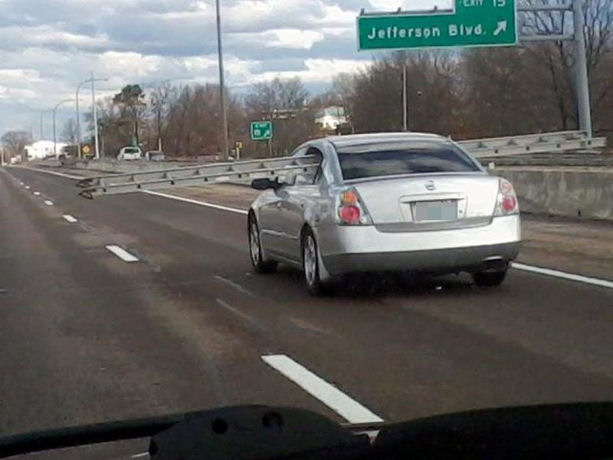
x=265, y=184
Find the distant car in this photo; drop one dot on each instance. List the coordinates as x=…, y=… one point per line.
x=130, y=154
x=155, y=155
x=386, y=202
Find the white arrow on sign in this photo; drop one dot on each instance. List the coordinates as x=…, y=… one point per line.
x=502, y=27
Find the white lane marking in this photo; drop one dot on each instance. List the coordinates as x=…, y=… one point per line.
x=122, y=253
x=69, y=218
x=37, y=193
x=143, y=454
x=49, y=202
x=563, y=275
x=345, y=406
x=235, y=285
x=199, y=203
x=55, y=173
x=27, y=187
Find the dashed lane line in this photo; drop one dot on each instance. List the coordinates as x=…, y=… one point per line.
x=335, y=399
x=122, y=253
x=49, y=202
x=69, y=218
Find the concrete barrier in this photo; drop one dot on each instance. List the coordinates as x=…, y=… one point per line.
x=563, y=191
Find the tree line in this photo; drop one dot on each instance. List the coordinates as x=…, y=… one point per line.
x=472, y=93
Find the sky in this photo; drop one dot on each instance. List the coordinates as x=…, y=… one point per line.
x=47, y=47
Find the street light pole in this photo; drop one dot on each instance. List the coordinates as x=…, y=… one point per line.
x=89, y=80
x=54, y=136
x=41, y=124
x=222, y=91
x=405, y=109
x=581, y=77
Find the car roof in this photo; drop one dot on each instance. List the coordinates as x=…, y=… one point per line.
x=352, y=140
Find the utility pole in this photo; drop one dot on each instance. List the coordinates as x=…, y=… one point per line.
x=581, y=77
x=222, y=91
x=95, y=118
x=405, y=109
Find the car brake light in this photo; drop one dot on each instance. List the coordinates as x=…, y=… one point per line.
x=350, y=210
x=506, y=202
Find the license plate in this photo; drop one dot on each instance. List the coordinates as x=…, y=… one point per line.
x=435, y=210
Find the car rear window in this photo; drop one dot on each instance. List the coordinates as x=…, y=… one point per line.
x=131, y=150
x=387, y=159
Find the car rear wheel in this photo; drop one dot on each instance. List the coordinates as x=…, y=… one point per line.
x=255, y=250
x=489, y=278
x=310, y=266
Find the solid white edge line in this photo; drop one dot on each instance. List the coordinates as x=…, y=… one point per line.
x=143, y=454
x=121, y=253
x=346, y=407
x=49, y=202
x=199, y=203
x=55, y=173
x=563, y=275
x=69, y=218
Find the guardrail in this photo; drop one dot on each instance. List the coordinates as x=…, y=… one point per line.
x=555, y=142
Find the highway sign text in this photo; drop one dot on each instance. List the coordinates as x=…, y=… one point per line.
x=470, y=23
x=261, y=130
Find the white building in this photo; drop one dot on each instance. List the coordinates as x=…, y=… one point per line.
x=43, y=149
x=331, y=117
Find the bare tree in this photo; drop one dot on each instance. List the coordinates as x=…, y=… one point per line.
x=14, y=143
x=69, y=131
x=162, y=97
x=284, y=102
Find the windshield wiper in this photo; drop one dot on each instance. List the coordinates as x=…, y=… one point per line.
x=581, y=430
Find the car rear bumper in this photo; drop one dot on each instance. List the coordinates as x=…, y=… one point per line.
x=363, y=248
x=441, y=260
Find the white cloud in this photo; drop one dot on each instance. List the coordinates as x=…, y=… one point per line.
x=316, y=71
x=47, y=48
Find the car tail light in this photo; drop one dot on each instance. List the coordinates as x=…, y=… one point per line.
x=506, y=203
x=350, y=209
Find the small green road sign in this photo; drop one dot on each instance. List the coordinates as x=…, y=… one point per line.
x=261, y=130
x=469, y=23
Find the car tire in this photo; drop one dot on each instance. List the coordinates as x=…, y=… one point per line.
x=255, y=249
x=487, y=279
x=310, y=266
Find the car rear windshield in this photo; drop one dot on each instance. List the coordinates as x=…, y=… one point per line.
x=390, y=159
x=131, y=150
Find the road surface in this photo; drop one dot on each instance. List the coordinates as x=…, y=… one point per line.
x=139, y=305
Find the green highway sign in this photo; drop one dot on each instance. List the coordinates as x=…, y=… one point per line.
x=470, y=23
x=261, y=130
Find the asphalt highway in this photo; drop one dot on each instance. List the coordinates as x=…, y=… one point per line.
x=139, y=305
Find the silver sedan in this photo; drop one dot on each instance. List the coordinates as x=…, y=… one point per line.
x=385, y=202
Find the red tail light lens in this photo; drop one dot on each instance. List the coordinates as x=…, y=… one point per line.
x=509, y=203
x=349, y=214
x=506, y=202
x=350, y=209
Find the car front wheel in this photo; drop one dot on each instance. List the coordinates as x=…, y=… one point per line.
x=255, y=250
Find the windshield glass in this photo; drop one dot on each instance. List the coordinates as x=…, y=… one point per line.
x=441, y=239
x=413, y=158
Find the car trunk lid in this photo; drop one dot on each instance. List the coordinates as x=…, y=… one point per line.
x=430, y=201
